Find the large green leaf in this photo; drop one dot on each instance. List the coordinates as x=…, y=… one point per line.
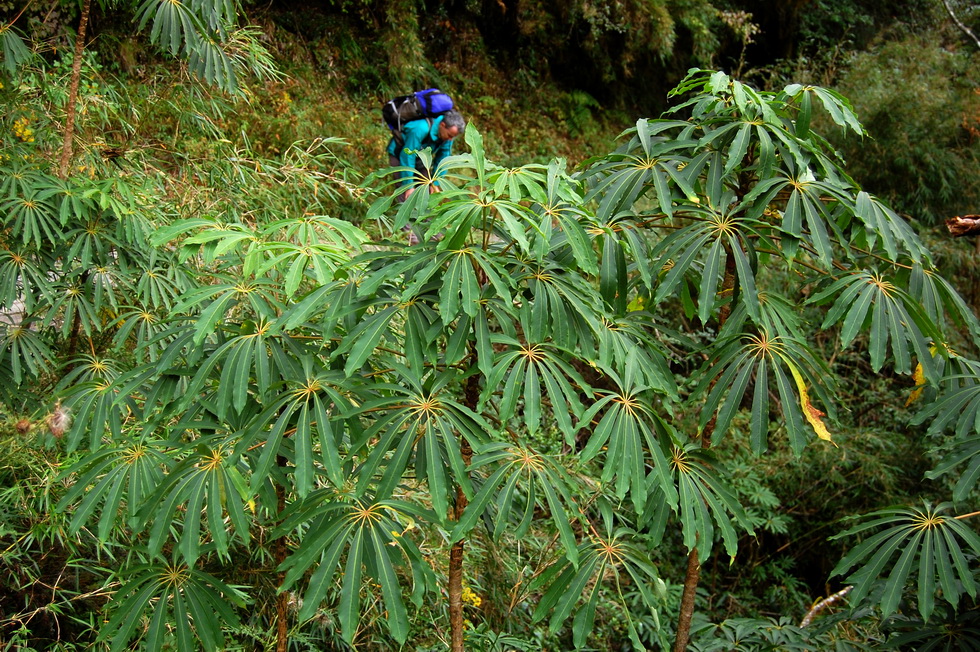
x=703, y=501
x=761, y=361
x=520, y=480
x=116, y=480
x=375, y=536
x=15, y=51
x=868, y=300
x=185, y=608
x=631, y=436
x=938, y=542
x=527, y=374
x=417, y=420
x=599, y=559
x=207, y=483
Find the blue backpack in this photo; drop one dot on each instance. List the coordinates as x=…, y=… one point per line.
x=421, y=104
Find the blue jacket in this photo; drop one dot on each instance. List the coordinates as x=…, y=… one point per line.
x=418, y=135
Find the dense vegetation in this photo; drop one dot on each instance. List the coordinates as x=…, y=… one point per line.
x=691, y=354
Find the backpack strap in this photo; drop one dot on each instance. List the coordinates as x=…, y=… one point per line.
x=399, y=137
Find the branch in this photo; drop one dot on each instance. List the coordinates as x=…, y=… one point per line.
x=823, y=604
x=966, y=30
x=960, y=226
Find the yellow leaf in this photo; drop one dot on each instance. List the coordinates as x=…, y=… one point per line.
x=810, y=411
x=919, y=377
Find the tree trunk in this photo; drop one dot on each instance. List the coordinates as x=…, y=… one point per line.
x=687, y=602
x=693, y=575
x=456, y=627
x=471, y=395
x=76, y=75
x=282, y=600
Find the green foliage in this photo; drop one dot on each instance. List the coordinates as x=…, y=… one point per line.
x=922, y=154
x=276, y=403
x=929, y=542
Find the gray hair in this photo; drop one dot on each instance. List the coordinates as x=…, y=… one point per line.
x=452, y=118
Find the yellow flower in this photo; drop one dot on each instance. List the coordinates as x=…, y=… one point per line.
x=469, y=596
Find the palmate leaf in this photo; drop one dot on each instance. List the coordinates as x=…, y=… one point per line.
x=90, y=367
x=712, y=239
x=25, y=351
x=527, y=374
x=519, y=184
x=113, y=480
x=298, y=424
x=208, y=60
x=894, y=231
x=34, y=219
x=648, y=162
x=208, y=482
x=294, y=262
x=160, y=282
x=836, y=105
x=806, y=215
x=175, y=26
x=375, y=537
x=630, y=435
x=703, y=501
x=316, y=229
x=98, y=410
x=758, y=361
x=778, y=316
x=927, y=542
x=628, y=345
x=559, y=306
x=23, y=277
x=137, y=325
x=21, y=179
x=240, y=367
x=519, y=480
x=600, y=558
x=867, y=299
x=74, y=300
x=462, y=216
x=12, y=46
x=417, y=419
x=217, y=300
x=185, y=608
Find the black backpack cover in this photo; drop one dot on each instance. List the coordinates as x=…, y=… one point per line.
x=428, y=103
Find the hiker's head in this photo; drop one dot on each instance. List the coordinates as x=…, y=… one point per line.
x=452, y=125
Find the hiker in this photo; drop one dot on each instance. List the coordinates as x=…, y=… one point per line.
x=436, y=133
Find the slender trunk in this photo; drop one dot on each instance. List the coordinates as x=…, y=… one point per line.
x=471, y=395
x=76, y=75
x=693, y=575
x=282, y=600
x=687, y=601
x=456, y=627
x=73, y=337
x=76, y=329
